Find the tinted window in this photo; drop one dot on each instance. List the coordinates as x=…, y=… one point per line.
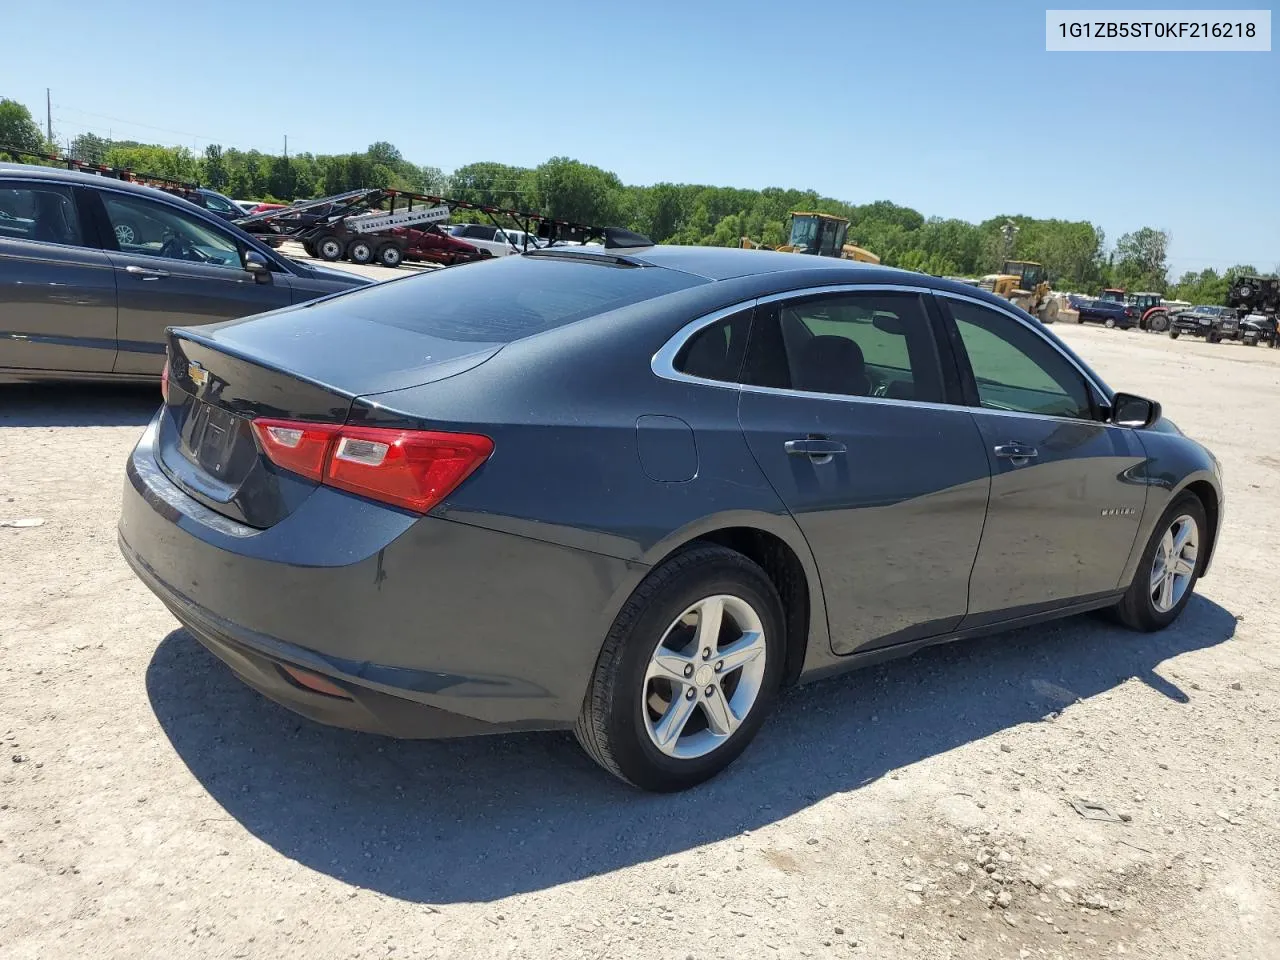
x=715, y=352
x=44, y=212
x=159, y=230
x=1016, y=369
x=217, y=203
x=853, y=344
x=507, y=298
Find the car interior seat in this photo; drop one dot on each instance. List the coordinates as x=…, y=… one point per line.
x=831, y=364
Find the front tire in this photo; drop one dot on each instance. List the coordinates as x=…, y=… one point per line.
x=1169, y=567
x=1174, y=334
x=687, y=672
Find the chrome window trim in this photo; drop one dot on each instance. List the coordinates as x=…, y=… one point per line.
x=663, y=361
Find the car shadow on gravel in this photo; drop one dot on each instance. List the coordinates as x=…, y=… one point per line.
x=485, y=818
x=78, y=404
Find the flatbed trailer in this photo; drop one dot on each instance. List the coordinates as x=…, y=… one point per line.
x=359, y=224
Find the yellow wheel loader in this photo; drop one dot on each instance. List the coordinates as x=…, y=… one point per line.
x=1026, y=284
x=818, y=234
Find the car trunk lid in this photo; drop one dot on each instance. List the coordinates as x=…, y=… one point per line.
x=221, y=377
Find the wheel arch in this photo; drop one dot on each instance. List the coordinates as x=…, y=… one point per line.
x=774, y=543
x=1211, y=499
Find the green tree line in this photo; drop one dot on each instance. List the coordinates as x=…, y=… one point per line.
x=1074, y=252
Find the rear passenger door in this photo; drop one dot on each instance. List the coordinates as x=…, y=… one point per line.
x=843, y=406
x=1065, y=503
x=57, y=289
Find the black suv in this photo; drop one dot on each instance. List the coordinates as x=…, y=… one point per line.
x=1212, y=323
x=93, y=269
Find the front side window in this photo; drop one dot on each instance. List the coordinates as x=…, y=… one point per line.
x=39, y=211
x=1015, y=369
x=850, y=344
x=143, y=226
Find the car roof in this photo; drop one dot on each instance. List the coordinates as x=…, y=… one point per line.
x=728, y=263
x=57, y=175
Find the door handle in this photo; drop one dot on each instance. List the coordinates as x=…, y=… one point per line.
x=1019, y=453
x=817, y=449
x=146, y=273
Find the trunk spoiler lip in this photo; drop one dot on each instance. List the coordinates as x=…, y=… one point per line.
x=463, y=363
x=189, y=333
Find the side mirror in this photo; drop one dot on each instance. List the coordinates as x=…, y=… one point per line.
x=257, y=264
x=1128, y=410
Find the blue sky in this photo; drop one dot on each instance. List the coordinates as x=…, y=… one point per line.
x=954, y=109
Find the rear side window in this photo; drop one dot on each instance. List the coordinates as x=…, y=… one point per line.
x=510, y=298
x=38, y=211
x=716, y=352
x=847, y=344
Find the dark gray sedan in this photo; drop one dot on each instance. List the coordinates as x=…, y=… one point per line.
x=93, y=269
x=635, y=492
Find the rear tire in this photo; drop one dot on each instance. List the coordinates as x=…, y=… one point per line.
x=1173, y=334
x=389, y=255
x=631, y=704
x=310, y=249
x=1139, y=609
x=329, y=247
x=1158, y=322
x=1110, y=322
x=360, y=251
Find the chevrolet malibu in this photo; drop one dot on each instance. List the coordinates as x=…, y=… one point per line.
x=633, y=491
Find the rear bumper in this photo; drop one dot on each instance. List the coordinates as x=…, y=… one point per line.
x=434, y=627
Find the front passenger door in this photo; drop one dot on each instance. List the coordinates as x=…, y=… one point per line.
x=1066, y=500
x=173, y=267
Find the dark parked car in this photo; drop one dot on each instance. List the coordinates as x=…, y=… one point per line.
x=215, y=202
x=1110, y=313
x=92, y=270
x=634, y=492
x=1256, y=328
x=1212, y=323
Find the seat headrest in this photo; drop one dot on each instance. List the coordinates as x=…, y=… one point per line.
x=831, y=364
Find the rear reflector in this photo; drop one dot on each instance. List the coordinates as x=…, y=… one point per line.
x=414, y=469
x=315, y=682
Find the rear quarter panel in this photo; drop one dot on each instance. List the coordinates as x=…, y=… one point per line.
x=562, y=410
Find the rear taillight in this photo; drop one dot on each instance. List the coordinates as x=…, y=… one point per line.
x=414, y=469
x=164, y=381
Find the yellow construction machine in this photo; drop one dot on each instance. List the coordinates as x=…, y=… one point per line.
x=1025, y=284
x=818, y=234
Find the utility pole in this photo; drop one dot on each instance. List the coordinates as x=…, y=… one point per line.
x=286, y=146
x=48, y=114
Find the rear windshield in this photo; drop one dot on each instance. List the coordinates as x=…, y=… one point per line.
x=516, y=297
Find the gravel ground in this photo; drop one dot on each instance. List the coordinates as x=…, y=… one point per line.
x=152, y=806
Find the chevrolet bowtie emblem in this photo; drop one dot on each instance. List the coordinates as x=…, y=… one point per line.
x=198, y=374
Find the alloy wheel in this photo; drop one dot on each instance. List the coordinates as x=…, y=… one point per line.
x=1174, y=564
x=704, y=676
